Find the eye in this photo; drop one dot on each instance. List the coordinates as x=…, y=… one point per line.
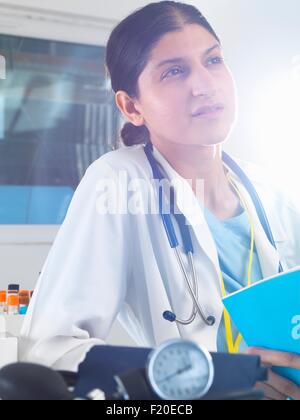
x=173, y=72
x=216, y=60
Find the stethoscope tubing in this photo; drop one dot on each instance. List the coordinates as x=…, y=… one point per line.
x=186, y=235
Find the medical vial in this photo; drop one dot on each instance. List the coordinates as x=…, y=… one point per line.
x=23, y=301
x=13, y=289
x=3, y=299
x=13, y=305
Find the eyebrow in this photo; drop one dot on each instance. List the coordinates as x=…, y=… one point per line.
x=180, y=59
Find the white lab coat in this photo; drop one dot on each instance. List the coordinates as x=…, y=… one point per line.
x=101, y=267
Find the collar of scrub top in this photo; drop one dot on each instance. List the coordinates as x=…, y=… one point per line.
x=180, y=218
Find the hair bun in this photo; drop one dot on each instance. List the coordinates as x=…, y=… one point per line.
x=132, y=135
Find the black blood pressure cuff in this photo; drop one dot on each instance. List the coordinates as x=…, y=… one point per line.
x=233, y=373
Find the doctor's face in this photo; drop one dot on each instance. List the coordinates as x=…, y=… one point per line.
x=186, y=73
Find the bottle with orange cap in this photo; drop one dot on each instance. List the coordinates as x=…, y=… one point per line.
x=13, y=305
x=3, y=302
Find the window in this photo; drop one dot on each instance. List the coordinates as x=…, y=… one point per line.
x=57, y=116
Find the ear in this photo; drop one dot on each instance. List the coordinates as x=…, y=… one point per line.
x=128, y=108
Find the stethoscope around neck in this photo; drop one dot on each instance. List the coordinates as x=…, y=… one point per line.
x=185, y=233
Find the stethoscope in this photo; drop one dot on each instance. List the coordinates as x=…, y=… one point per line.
x=186, y=234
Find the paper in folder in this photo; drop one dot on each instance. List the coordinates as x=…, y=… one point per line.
x=268, y=315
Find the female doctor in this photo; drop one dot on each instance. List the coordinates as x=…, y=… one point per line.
x=178, y=95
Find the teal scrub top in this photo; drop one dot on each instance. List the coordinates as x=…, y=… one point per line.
x=233, y=237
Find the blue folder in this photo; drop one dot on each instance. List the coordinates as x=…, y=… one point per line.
x=268, y=315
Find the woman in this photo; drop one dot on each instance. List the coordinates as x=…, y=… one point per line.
x=172, y=85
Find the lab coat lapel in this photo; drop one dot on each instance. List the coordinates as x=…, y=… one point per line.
x=163, y=330
x=190, y=207
x=268, y=256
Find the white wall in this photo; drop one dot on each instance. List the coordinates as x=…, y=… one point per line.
x=91, y=15
x=117, y=9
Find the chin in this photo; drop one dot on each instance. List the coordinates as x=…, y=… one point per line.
x=208, y=142
x=213, y=143
x=208, y=138
x=215, y=140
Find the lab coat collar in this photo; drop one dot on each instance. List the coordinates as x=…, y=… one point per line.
x=268, y=256
x=260, y=181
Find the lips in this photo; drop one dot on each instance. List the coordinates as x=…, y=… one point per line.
x=208, y=109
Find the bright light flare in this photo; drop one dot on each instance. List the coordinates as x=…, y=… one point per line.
x=278, y=130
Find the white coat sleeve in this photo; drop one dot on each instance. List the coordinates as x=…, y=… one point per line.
x=83, y=283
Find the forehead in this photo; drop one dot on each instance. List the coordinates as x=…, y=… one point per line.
x=192, y=39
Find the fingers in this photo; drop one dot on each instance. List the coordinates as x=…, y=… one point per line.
x=270, y=393
x=276, y=358
x=278, y=387
x=285, y=387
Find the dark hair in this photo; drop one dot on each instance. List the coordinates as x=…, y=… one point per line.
x=130, y=45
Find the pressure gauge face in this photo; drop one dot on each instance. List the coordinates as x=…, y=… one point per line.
x=180, y=370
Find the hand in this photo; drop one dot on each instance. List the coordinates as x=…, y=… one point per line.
x=277, y=387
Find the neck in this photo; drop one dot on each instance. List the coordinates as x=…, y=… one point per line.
x=203, y=163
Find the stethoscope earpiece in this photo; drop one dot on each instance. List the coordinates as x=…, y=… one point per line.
x=211, y=320
x=171, y=317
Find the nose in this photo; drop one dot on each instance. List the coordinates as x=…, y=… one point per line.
x=202, y=82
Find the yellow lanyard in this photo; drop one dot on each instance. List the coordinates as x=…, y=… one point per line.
x=233, y=346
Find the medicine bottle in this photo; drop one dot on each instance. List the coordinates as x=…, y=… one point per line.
x=23, y=301
x=3, y=302
x=13, y=289
x=13, y=305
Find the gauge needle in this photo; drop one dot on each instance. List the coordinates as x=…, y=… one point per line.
x=178, y=372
